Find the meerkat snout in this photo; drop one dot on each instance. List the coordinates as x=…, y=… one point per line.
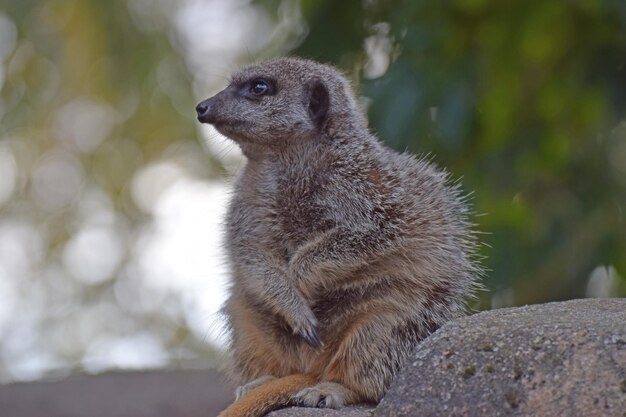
x=203, y=111
x=208, y=109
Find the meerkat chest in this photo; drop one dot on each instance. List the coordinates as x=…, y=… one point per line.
x=279, y=209
x=297, y=200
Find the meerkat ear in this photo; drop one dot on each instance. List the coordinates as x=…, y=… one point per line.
x=318, y=101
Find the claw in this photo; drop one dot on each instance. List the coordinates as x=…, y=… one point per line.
x=298, y=401
x=321, y=403
x=312, y=337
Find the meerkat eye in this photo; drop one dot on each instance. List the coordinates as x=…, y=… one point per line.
x=259, y=87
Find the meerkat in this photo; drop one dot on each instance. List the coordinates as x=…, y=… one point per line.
x=344, y=253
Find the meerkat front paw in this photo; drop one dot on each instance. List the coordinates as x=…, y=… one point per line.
x=244, y=389
x=324, y=395
x=305, y=325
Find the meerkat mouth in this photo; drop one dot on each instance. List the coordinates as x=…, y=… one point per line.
x=221, y=123
x=233, y=125
x=231, y=129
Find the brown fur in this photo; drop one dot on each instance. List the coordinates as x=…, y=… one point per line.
x=344, y=253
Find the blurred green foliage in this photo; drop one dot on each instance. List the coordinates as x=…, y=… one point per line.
x=525, y=100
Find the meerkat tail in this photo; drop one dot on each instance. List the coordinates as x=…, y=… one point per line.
x=270, y=396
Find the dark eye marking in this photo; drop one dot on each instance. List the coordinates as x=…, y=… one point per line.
x=257, y=88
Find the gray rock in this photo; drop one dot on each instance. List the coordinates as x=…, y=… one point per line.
x=556, y=359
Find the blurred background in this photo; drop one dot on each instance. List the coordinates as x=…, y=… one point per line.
x=112, y=195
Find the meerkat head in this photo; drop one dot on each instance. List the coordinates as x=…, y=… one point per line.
x=279, y=101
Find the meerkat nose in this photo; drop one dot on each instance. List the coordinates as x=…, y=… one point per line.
x=204, y=111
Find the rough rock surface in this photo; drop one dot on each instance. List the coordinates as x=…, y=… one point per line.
x=556, y=359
